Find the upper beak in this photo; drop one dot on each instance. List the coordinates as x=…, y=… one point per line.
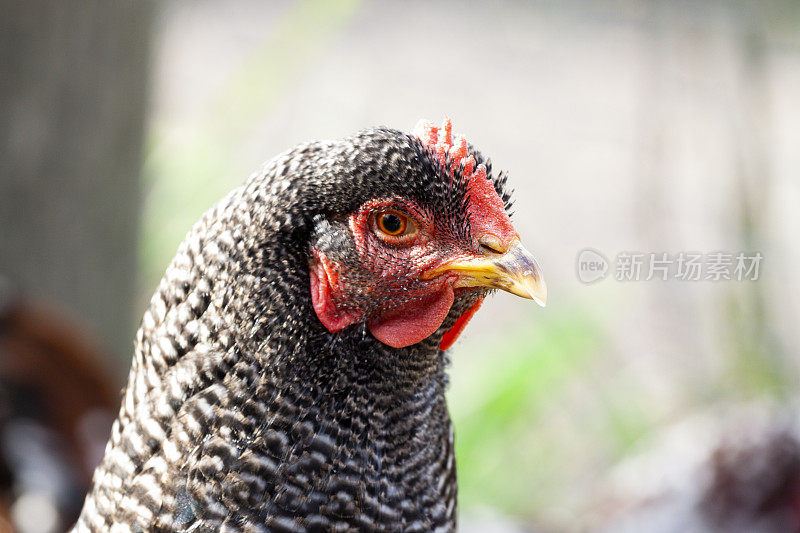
x=515, y=271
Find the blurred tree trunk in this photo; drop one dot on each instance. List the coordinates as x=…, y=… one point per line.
x=73, y=80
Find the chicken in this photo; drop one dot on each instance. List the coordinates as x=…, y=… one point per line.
x=289, y=374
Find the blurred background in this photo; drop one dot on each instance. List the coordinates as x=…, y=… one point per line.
x=626, y=126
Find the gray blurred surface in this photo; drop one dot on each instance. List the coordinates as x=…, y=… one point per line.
x=73, y=79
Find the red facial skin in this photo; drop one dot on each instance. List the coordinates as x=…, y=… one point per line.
x=397, y=264
x=324, y=281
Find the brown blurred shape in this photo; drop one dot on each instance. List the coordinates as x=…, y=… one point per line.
x=51, y=377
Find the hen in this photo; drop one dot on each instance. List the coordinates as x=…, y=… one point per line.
x=289, y=374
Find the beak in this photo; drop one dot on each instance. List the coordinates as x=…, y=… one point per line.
x=515, y=271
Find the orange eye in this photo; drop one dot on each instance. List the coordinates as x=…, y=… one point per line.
x=394, y=224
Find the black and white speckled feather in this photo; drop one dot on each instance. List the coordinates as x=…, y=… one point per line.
x=242, y=412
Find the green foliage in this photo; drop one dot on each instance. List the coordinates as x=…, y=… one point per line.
x=498, y=399
x=756, y=366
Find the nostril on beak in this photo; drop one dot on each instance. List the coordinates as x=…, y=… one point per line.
x=492, y=244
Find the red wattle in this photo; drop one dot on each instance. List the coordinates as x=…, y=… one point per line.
x=323, y=279
x=410, y=323
x=450, y=336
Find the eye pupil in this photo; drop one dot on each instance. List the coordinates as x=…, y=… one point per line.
x=392, y=224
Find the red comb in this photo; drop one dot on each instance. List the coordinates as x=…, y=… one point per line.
x=486, y=209
x=440, y=142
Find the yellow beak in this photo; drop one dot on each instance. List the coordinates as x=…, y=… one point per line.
x=515, y=271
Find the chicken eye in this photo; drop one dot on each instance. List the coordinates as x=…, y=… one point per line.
x=394, y=224
x=391, y=224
